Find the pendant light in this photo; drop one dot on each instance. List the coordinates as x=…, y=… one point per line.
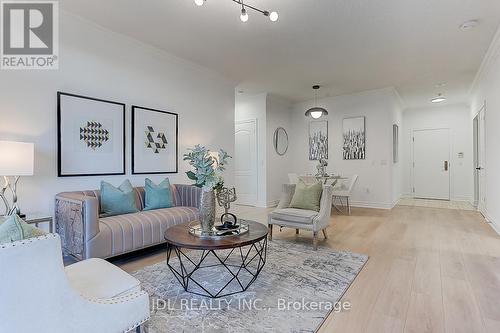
x=316, y=112
x=438, y=99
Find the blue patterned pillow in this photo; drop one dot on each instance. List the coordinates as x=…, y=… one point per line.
x=117, y=201
x=13, y=228
x=158, y=196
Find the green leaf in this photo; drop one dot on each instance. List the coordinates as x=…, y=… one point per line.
x=191, y=175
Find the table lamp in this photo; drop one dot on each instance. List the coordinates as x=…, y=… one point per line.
x=16, y=160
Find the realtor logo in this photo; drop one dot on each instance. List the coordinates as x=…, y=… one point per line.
x=29, y=33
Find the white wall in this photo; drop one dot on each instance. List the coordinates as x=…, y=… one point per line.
x=457, y=119
x=376, y=176
x=278, y=112
x=486, y=90
x=249, y=107
x=99, y=63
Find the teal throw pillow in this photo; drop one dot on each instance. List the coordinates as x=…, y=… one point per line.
x=13, y=228
x=307, y=196
x=158, y=196
x=117, y=201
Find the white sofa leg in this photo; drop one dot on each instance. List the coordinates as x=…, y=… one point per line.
x=348, y=206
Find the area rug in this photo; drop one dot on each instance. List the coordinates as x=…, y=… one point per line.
x=295, y=291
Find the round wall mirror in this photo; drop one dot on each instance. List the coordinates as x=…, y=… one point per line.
x=280, y=141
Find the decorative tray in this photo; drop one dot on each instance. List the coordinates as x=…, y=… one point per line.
x=219, y=232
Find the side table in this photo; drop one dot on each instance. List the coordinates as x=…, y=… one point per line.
x=37, y=219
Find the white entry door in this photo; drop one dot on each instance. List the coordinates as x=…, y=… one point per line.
x=431, y=164
x=245, y=157
x=479, y=157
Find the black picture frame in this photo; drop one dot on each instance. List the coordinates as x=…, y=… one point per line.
x=60, y=172
x=133, y=146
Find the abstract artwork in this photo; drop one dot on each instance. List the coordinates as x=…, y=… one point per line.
x=94, y=134
x=354, y=138
x=160, y=143
x=91, y=136
x=154, y=141
x=318, y=140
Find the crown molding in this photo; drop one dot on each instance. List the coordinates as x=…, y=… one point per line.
x=489, y=59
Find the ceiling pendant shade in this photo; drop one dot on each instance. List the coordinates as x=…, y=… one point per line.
x=317, y=111
x=272, y=16
x=438, y=99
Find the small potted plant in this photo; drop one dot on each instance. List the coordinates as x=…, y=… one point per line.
x=207, y=174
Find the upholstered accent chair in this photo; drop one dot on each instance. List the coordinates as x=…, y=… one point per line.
x=39, y=295
x=284, y=216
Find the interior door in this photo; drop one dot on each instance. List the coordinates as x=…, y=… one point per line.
x=480, y=166
x=245, y=158
x=431, y=164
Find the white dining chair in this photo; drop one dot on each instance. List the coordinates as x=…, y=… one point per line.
x=293, y=178
x=343, y=190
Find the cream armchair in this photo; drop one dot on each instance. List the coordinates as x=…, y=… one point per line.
x=301, y=218
x=39, y=295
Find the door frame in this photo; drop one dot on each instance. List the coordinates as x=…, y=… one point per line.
x=412, y=168
x=256, y=166
x=479, y=139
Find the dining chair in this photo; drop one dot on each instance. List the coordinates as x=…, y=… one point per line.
x=343, y=189
x=293, y=178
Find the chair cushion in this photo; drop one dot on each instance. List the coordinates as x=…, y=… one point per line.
x=98, y=279
x=307, y=196
x=294, y=215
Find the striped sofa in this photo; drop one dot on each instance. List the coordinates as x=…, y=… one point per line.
x=85, y=235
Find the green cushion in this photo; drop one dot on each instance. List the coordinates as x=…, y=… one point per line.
x=117, y=201
x=158, y=196
x=13, y=228
x=307, y=196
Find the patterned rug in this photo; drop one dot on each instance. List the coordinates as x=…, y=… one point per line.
x=295, y=292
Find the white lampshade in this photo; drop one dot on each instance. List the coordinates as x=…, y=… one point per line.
x=16, y=158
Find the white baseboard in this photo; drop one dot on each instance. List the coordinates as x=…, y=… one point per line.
x=368, y=204
x=492, y=222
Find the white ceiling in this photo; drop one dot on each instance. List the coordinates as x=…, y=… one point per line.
x=347, y=46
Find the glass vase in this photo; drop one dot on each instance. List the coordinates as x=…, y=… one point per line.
x=207, y=211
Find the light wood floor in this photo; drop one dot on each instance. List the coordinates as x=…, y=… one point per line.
x=430, y=270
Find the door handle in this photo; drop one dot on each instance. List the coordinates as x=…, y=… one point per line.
x=445, y=165
x=479, y=168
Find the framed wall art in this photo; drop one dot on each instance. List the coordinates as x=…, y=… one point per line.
x=318, y=140
x=90, y=136
x=154, y=141
x=354, y=138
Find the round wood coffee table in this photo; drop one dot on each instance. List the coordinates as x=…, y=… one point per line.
x=240, y=258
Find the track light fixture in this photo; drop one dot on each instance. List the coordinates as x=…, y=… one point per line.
x=273, y=16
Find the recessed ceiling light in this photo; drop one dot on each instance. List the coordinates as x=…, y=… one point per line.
x=469, y=25
x=438, y=99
